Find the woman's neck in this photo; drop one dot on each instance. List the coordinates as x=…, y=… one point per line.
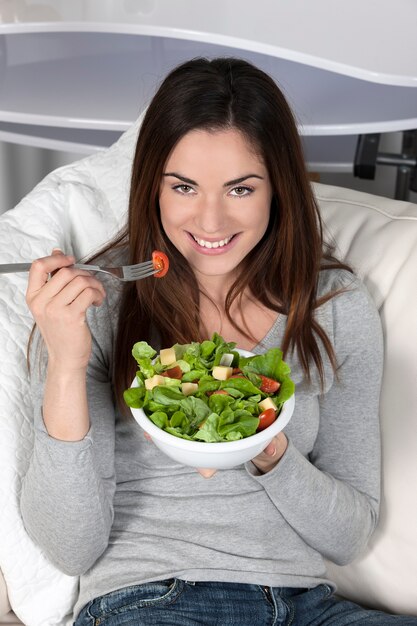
x=253, y=320
x=215, y=289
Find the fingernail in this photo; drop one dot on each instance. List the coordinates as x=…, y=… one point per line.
x=57, y=250
x=273, y=451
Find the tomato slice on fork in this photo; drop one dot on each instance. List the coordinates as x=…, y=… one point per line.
x=160, y=262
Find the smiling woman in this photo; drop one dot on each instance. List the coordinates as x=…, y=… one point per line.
x=219, y=185
x=215, y=202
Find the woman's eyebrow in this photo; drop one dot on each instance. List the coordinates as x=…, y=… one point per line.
x=235, y=181
x=184, y=179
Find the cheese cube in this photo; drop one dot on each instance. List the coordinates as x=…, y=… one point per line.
x=221, y=372
x=167, y=356
x=154, y=381
x=189, y=388
x=267, y=404
x=226, y=359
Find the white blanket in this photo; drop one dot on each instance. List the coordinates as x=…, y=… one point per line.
x=77, y=208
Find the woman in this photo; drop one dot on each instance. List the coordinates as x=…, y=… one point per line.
x=219, y=184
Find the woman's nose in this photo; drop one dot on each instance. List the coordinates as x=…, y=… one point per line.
x=211, y=216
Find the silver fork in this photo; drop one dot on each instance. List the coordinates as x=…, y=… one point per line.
x=123, y=272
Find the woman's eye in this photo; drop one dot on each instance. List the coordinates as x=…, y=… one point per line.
x=184, y=189
x=241, y=191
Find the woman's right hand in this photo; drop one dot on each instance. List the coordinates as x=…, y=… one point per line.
x=58, y=297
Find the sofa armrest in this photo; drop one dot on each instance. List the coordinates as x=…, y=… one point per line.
x=10, y=620
x=6, y=615
x=4, y=600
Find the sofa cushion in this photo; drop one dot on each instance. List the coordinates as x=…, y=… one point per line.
x=378, y=236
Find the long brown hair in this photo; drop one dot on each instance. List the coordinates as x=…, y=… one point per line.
x=215, y=95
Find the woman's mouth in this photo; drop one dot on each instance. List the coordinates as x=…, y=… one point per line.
x=212, y=246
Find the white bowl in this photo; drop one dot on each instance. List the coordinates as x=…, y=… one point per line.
x=223, y=455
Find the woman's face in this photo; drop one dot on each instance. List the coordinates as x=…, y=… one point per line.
x=215, y=199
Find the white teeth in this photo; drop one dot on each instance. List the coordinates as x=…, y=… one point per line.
x=212, y=244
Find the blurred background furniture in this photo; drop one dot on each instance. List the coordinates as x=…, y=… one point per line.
x=75, y=75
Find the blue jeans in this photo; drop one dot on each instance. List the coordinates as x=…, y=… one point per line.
x=176, y=602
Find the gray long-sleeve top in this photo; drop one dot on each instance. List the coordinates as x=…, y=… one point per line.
x=117, y=511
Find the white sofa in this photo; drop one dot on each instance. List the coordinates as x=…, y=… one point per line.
x=79, y=206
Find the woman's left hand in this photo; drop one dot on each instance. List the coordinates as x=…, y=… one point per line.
x=269, y=457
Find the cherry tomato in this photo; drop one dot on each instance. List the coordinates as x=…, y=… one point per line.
x=160, y=262
x=173, y=372
x=268, y=385
x=266, y=418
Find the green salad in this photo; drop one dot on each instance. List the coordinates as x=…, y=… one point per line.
x=209, y=392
